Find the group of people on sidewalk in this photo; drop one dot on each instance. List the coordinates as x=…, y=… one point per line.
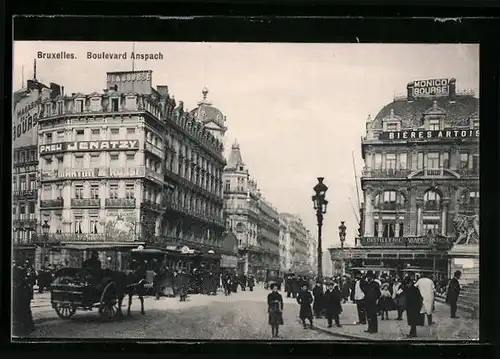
x=373, y=296
x=414, y=295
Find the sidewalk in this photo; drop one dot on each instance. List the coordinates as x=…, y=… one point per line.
x=445, y=328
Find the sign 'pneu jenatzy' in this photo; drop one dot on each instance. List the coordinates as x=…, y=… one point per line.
x=84, y=146
x=422, y=135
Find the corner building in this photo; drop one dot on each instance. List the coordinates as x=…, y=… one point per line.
x=420, y=183
x=295, y=242
x=126, y=167
x=253, y=220
x=25, y=167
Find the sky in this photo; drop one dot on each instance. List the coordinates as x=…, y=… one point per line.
x=298, y=111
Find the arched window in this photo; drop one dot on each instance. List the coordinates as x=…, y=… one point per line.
x=389, y=200
x=432, y=201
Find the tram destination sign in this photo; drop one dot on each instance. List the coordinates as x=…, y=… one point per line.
x=403, y=241
x=416, y=135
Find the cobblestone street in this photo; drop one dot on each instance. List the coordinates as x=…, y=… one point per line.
x=241, y=316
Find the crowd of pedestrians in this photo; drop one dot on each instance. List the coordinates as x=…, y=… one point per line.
x=375, y=296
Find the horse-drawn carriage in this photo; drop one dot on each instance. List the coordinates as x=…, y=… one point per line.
x=84, y=289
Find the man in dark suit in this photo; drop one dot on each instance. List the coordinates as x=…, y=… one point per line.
x=332, y=303
x=93, y=263
x=453, y=293
x=371, y=290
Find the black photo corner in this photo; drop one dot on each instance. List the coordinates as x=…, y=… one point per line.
x=280, y=24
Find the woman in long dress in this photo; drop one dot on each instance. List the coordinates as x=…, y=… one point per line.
x=275, y=309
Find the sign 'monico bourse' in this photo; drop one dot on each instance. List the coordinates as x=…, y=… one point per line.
x=84, y=146
x=422, y=135
x=431, y=88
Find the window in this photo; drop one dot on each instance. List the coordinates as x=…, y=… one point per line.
x=94, y=191
x=59, y=191
x=378, y=161
x=392, y=127
x=475, y=162
x=59, y=108
x=390, y=161
x=32, y=184
x=475, y=124
x=79, y=105
x=59, y=163
x=375, y=229
x=403, y=161
x=80, y=135
x=388, y=229
x=60, y=136
x=114, y=160
x=113, y=191
x=14, y=183
x=78, y=161
x=430, y=228
x=115, y=132
x=432, y=201
x=114, y=104
x=94, y=160
x=130, y=191
x=434, y=125
x=130, y=159
x=48, y=137
x=445, y=163
x=420, y=161
x=130, y=131
x=95, y=134
x=401, y=229
x=93, y=225
x=78, y=224
x=464, y=160
x=474, y=198
x=47, y=191
x=78, y=191
x=14, y=210
x=22, y=179
x=433, y=160
x=31, y=208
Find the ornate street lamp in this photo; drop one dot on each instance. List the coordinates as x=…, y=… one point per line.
x=320, y=203
x=45, y=230
x=342, y=229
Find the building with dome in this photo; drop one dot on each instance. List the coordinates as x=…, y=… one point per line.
x=253, y=220
x=126, y=167
x=420, y=184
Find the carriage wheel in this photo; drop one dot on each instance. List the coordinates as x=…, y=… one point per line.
x=64, y=311
x=108, y=307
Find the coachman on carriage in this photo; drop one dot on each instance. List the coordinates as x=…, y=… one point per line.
x=93, y=287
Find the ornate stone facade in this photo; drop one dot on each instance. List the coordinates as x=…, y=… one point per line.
x=421, y=171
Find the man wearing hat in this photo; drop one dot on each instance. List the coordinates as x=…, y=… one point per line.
x=371, y=290
x=93, y=263
x=305, y=300
x=333, y=306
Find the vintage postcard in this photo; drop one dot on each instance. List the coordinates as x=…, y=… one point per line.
x=262, y=191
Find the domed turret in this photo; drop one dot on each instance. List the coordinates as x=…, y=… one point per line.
x=210, y=116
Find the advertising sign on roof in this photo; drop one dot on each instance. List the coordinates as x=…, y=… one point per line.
x=130, y=81
x=431, y=88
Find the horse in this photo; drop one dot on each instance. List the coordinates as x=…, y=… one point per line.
x=135, y=281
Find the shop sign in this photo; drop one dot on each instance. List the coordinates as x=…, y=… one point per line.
x=86, y=146
x=228, y=261
x=403, y=241
x=410, y=135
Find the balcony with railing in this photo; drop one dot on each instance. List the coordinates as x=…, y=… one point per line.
x=154, y=175
x=157, y=207
x=120, y=202
x=25, y=194
x=85, y=202
x=55, y=238
x=468, y=172
x=52, y=203
x=24, y=223
x=385, y=173
x=155, y=150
